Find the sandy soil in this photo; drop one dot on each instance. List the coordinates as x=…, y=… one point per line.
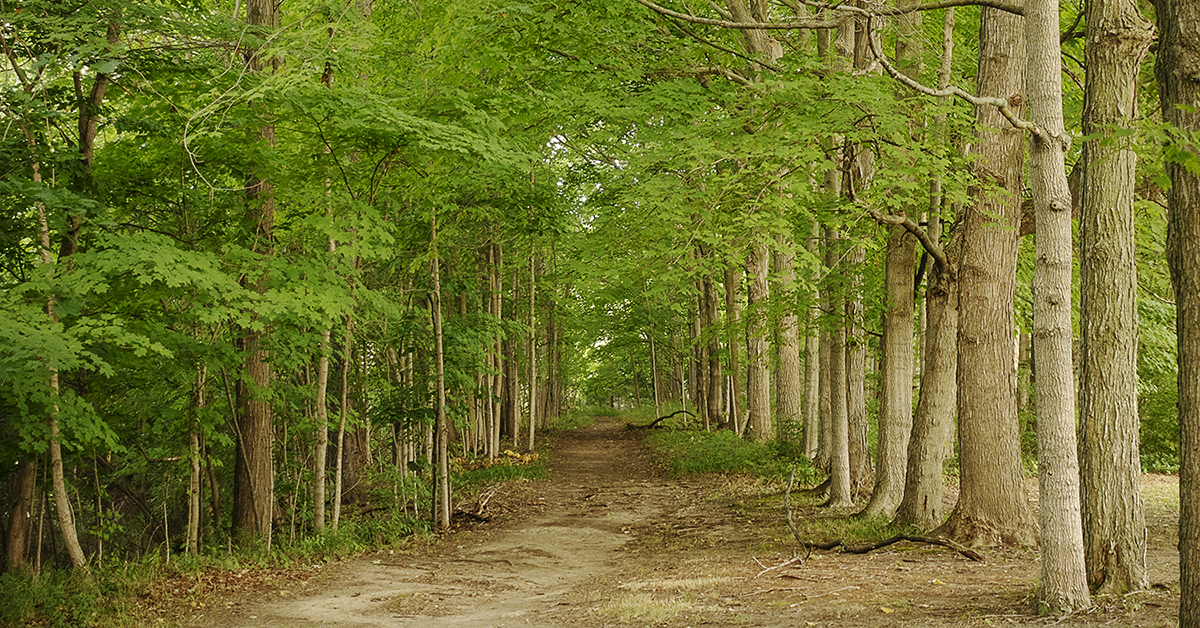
x=609, y=541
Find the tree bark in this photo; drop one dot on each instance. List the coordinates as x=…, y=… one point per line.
x=1177, y=69
x=933, y=425
x=992, y=508
x=1114, y=522
x=812, y=360
x=733, y=315
x=789, y=398
x=757, y=350
x=17, y=546
x=1064, y=585
x=895, y=411
x=254, y=477
x=840, y=487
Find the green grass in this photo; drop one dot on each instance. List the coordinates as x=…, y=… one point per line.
x=693, y=452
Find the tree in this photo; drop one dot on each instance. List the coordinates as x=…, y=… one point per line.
x=254, y=477
x=1113, y=518
x=991, y=505
x=1063, y=587
x=1179, y=90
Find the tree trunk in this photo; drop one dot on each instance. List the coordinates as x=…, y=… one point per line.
x=343, y=412
x=992, y=507
x=1177, y=69
x=757, y=354
x=812, y=360
x=733, y=315
x=200, y=402
x=895, y=411
x=714, y=386
x=1064, y=585
x=789, y=399
x=532, y=353
x=933, y=425
x=17, y=546
x=1114, y=522
x=442, y=428
x=254, y=477
x=861, y=469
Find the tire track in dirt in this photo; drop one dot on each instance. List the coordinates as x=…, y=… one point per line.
x=529, y=572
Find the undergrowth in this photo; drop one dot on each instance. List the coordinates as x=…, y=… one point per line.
x=694, y=452
x=114, y=594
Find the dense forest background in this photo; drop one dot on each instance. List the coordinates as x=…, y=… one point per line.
x=269, y=267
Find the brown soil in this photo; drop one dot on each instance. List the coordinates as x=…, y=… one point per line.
x=610, y=541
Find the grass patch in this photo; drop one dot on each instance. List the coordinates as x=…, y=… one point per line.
x=688, y=452
x=644, y=608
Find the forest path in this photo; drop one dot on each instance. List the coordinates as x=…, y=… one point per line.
x=525, y=573
x=607, y=541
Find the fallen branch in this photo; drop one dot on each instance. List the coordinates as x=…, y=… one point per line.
x=869, y=547
x=657, y=421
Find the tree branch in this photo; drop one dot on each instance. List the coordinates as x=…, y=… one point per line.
x=778, y=26
x=1016, y=8
x=979, y=101
x=934, y=249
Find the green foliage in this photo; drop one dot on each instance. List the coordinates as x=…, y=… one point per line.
x=722, y=451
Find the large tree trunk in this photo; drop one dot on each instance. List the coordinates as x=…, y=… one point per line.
x=254, y=477
x=1063, y=586
x=992, y=507
x=789, y=400
x=17, y=546
x=1177, y=69
x=757, y=352
x=1114, y=522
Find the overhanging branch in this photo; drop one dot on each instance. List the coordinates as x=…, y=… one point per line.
x=979, y=101
x=777, y=26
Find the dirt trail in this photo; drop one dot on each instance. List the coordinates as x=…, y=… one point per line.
x=607, y=541
x=524, y=574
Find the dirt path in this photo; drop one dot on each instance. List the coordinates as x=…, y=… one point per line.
x=609, y=542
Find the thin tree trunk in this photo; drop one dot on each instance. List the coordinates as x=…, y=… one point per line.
x=1114, y=521
x=733, y=315
x=343, y=412
x=442, y=486
x=200, y=402
x=812, y=359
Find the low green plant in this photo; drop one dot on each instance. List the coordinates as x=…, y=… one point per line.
x=722, y=451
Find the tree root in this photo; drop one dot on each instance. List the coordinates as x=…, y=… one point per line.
x=863, y=548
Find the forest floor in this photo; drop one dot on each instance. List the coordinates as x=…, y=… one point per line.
x=608, y=541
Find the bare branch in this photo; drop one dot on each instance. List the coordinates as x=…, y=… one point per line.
x=778, y=26
x=979, y=101
x=934, y=249
x=887, y=11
